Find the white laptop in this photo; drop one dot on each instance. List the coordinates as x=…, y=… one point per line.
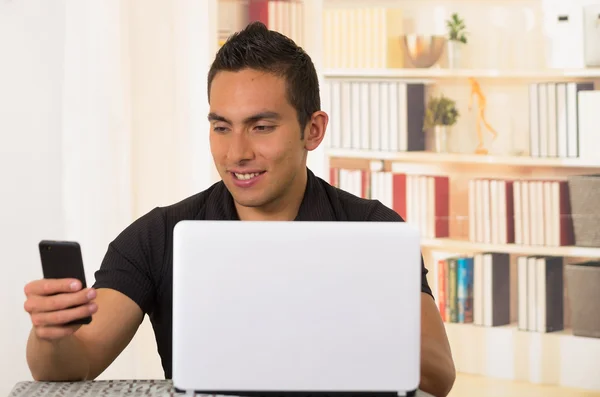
x=300, y=308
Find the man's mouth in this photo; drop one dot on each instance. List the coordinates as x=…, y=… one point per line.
x=246, y=176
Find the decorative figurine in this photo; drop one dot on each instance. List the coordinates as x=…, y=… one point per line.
x=481, y=104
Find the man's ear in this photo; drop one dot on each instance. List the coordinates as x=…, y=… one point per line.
x=314, y=132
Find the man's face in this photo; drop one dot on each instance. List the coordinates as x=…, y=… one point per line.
x=255, y=136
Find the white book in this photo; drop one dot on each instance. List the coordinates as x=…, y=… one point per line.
x=389, y=189
x=375, y=117
x=531, y=294
x=355, y=125
x=541, y=225
x=552, y=120
x=548, y=228
x=479, y=197
x=533, y=213
x=365, y=117
x=525, y=213
x=494, y=212
x=402, y=117
x=561, y=120
x=346, y=115
x=502, y=213
x=478, y=289
x=543, y=119
x=384, y=111
x=555, y=211
x=534, y=124
x=488, y=297
x=487, y=220
x=394, y=116
x=518, y=212
x=375, y=186
x=589, y=125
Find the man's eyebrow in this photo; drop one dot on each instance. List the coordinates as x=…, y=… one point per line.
x=251, y=119
x=261, y=116
x=215, y=117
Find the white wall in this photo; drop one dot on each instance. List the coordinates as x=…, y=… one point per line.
x=102, y=117
x=31, y=48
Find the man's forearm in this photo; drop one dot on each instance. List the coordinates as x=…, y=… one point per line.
x=437, y=369
x=63, y=360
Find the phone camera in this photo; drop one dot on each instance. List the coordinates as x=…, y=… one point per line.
x=48, y=248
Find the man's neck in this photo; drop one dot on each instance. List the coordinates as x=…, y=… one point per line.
x=284, y=208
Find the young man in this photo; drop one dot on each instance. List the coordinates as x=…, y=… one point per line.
x=264, y=118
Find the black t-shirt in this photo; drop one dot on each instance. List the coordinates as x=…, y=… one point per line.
x=139, y=261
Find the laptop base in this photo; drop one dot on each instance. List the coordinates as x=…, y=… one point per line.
x=409, y=393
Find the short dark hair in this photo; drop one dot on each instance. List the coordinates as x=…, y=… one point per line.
x=257, y=47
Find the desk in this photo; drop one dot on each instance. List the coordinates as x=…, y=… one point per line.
x=104, y=388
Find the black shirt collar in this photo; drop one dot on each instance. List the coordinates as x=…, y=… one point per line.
x=315, y=206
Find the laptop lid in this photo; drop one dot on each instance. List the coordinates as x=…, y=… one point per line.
x=296, y=307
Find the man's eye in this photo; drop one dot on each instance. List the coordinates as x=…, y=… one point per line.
x=264, y=127
x=219, y=129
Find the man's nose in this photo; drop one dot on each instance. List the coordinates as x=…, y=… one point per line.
x=240, y=147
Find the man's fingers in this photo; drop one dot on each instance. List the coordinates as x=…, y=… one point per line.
x=52, y=286
x=37, y=304
x=62, y=317
x=53, y=333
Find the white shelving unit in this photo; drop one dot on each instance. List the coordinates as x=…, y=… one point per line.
x=453, y=245
x=557, y=358
x=431, y=75
x=457, y=158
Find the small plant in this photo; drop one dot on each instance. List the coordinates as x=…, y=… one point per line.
x=456, y=29
x=440, y=111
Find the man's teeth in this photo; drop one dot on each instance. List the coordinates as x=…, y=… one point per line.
x=246, y=176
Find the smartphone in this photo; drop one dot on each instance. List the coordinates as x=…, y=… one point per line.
x=63, y=259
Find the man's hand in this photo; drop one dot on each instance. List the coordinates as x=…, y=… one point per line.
x=52, y=303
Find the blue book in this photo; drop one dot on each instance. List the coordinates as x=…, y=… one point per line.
x=464, y=284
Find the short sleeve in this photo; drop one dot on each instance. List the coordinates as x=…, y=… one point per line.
x=381, y=213
x=133, y=260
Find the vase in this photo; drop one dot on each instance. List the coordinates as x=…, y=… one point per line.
x=440, y=138
x=455, y=50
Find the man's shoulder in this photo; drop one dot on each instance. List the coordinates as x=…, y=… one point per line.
x=361, y=209
x=189, y=208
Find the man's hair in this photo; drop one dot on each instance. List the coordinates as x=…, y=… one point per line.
x=256, y=47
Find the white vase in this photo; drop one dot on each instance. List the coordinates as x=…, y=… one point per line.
x=455, y=50
x=440, y=138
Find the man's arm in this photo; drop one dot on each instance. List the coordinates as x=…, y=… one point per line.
x=437, y=366
x=87, y=352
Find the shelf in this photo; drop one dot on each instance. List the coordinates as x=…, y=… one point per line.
x=458, y=158
x=558, y=358
x=450, y=245
x=427, y=74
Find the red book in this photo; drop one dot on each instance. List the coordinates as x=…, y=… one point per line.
x=366, y=184
x=399, y=195
x=441, y=197
x=334, y=177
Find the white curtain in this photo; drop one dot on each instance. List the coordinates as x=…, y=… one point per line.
x=134, y=132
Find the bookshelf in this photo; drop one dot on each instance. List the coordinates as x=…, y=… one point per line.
x=507, y=79
x=508, y=61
